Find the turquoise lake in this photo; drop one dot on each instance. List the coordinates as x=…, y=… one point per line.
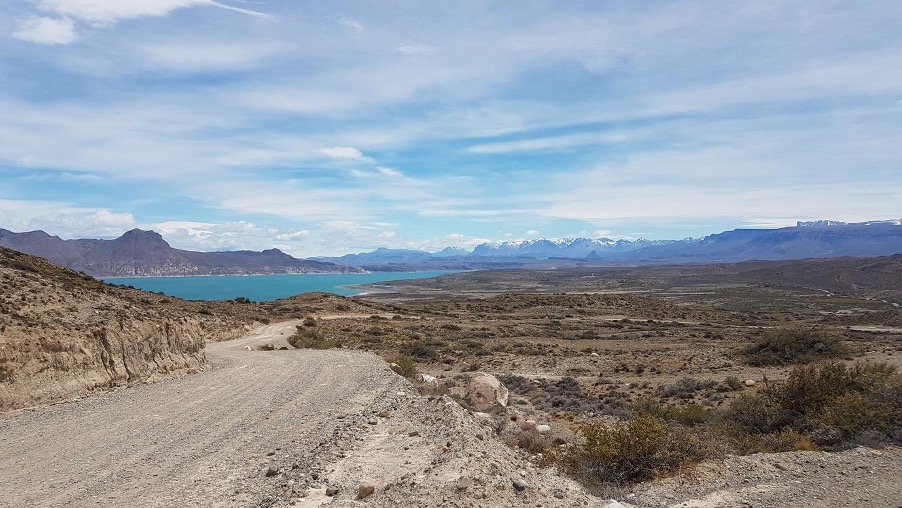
x=263, y=287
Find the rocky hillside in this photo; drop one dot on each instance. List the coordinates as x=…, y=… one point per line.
x=140, y=253
x=63, y=334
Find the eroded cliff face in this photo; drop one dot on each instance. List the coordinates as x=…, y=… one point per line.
x=63, y=334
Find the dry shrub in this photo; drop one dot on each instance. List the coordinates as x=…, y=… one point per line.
x=690, y=415
x=422, y=349
x=686, y=387
x=531, y=441
x=407, y=366
x=834, y=403
x=733, y=383
x=786, y=440
x=310, y=338
x=795, y=344
x=632, y=451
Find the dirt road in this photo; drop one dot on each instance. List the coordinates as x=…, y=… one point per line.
x=201, y=440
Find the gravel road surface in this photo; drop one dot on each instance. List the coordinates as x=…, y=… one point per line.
x=200, y=440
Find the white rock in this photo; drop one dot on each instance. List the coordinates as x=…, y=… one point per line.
x=483, y=392
x=542, y=429
x=749, y=382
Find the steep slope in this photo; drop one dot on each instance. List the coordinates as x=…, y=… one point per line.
x=63, y=334
x=138, y=253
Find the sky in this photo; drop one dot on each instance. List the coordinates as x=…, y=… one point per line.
x=325, y=128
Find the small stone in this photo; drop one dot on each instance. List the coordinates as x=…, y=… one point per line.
x=396, y=368
x=372, y=421
x=365, y=490
x=270, y=453
x=271, y=471
x=384, y=413
x=559, y=494
x=463, y=483
x=749, y=382
x=542, y=429
x=520, y=485
x=413, y=433
x=331, y=491
x=315, y=476
x=528, y=425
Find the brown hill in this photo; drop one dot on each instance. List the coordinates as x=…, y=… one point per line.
x=63, y=334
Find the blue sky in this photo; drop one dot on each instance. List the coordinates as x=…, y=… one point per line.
x=340, y=126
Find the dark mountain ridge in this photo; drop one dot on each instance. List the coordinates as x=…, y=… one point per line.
x=146, y=253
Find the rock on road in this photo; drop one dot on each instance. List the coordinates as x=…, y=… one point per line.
x=200, y=440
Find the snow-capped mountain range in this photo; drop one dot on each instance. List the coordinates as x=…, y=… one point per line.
x=814, y=239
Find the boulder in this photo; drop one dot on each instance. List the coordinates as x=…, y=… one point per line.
x=482, y=391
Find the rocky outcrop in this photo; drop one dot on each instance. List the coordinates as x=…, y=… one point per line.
x=108, y=355
x=63, y=334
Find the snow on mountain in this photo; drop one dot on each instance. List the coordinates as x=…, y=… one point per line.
x=561, y=247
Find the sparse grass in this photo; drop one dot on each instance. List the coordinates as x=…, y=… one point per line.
x=794, y=345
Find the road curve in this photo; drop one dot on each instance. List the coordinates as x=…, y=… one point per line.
x=199, y=440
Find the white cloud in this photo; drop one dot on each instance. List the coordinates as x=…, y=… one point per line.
x=416, y=49
x=59, y=28
x=551, y=143
x=63, y=219
x=532, y=232
x=206, y=236
x=107, y=12
x=351, y=23
x=394, y=173
x=295, y=235
x=43, y=30
x=345, y=153
x=190, y=56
